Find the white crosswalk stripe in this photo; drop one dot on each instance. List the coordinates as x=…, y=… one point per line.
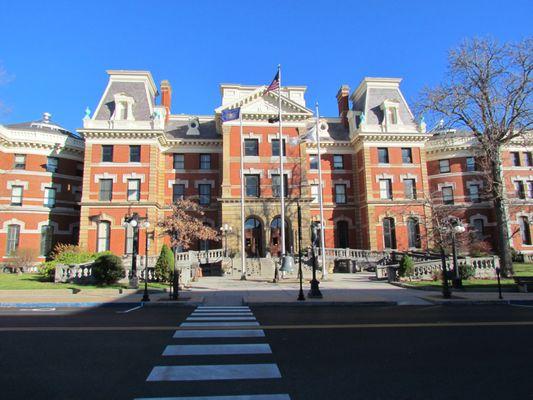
x=217, y=323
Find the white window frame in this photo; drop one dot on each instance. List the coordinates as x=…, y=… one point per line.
x=134, y=189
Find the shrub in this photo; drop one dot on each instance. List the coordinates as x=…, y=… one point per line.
x=516, y=255
x=107, y=269
x=71, y=254
x=467, y=271
x=165, y=264
x=48, y=271
x=406, y=266
x=436, y=275
x=479, y=249
x=20, y=259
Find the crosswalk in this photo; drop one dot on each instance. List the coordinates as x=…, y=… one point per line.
x=208, y=328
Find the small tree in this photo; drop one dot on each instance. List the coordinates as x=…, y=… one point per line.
x=185, y=225
x=406, y=266
x=165, y=264
x=108, y=269
x=21, y=258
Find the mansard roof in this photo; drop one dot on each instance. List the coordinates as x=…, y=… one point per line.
x=44, y=125
x=178, y=127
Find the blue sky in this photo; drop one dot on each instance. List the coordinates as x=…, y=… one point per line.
x=53, y=54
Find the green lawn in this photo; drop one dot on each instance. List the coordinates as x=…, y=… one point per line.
x=520, y=269
x=33, y=281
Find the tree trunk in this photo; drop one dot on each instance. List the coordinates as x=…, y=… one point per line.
x=500, y=209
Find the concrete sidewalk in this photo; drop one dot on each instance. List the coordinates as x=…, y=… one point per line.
x=340, y=289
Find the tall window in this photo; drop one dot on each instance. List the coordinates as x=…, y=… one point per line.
x=447, y=195
x=106, y=190
x=107, y=153
x=444, y=166
x=393, y=116
x=49, y=197
x=47, y=233
x=276, y=186
x=342, y=234
x=204, y=191
x=528, y=160
x=338, y=161
x=251, y=183
x=134, y=189
x=313, y=162
x=474, y=193
x=389, y=233
x=413, y=233
x=135, y=153
x=205, y=161
x=479, y=228
x=178, y=161
x=130, y=233
x=407, y=155
x=525, y=232
x=251, y=147
x=178, y=191
x=16, y=195
x=470, y=164
x=383, y=155
x=20, y=161
x=530, y=189
x=409, y=187
x=51, y=164
x=13, y=236
x=103, y=235
x=275, y=147
x=519, y=189
x=314, y=194
x=385, y=189
x=515, y=158
x=340, y=194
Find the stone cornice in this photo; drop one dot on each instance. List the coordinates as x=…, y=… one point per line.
x=11, y=138
x=120, y=134
x=390, y=137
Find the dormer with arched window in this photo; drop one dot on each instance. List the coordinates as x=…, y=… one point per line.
x=123, y=107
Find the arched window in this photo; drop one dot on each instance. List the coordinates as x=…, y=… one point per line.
x=413, y=233
x=342, y=235
x=275, y=237
x=389, y=233
x=253, y=237
x=103, y=236
x=525, y=232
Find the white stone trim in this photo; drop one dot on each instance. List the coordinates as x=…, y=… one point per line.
x=445, y=184
x=251, y=159
x=251, y=135
x=183, y=182
x=105, y=175
x=408, y=176
x=276, y=136
x=17, y=182
x=341, y=182
x=343, y=218
x=482, y=217
x=384, y=176
x=276, y=172
x=475, y=182
x=56, y=186
x=204, y=182
x=411, y=214
x=133, y=175
x=120, y=99
x=13, y=221
x=253, y=171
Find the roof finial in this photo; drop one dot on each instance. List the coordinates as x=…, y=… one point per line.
x=87, y=113
x=46, y=117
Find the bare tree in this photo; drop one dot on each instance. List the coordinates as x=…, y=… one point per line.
x=488, y=91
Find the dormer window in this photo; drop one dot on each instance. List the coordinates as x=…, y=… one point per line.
x=123, y=107
x=392, y=116
x=390, y=110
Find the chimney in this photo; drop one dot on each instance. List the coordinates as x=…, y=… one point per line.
x=166, y=96
x=342, y=102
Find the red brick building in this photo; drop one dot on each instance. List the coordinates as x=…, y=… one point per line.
x=41, y=167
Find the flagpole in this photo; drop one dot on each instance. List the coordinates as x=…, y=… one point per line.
x=281, y=171
x=243, y=239
x=320, y=200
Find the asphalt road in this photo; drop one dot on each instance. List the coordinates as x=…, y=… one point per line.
x=432, y=352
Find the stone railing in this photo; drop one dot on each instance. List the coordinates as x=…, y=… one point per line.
x=485, y=267
x=354, y=254
x=78, y=273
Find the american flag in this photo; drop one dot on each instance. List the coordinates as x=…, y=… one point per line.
x=275, y=84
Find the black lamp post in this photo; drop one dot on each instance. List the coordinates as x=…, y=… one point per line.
x=455, y=228
x=315, y=290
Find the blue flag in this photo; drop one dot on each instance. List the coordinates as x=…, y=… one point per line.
x=231, y=114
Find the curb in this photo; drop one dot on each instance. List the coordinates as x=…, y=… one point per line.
x=313, y=303
x=480, y=302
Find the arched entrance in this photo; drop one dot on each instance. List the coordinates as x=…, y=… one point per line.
x=275, y=237
x=253, y=237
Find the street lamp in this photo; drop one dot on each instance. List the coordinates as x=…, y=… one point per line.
x=133, y=221
x=456, y=227
x=146, y=297
x=225, y=230
x=315, y=290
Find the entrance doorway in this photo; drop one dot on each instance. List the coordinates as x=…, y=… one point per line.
x=275, y=237
x=253, y=231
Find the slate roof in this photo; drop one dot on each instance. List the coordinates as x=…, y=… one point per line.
x=40, y=126
x=375, y=97
x=337, y=131
x=137, y=90
x=177, y=129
